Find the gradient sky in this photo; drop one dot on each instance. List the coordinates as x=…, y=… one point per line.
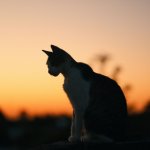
x=85, y=28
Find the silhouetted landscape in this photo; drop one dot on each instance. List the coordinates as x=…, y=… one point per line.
x=26, y=133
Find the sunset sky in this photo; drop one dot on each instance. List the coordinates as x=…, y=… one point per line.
x=85, y=29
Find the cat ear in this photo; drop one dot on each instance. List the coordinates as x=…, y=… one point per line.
x=47, y=52
x=60, y=52
x=57, y=50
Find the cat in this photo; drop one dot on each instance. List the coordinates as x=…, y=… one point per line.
x=99, y=105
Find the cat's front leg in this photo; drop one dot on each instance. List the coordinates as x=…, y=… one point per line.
x=76, y=127
x=73, y=137
x=73, y=124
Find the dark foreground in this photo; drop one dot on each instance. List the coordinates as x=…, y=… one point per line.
x=39, y=133
x=63, y=145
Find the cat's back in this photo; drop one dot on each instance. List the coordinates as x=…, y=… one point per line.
x=104, y=94
x=107, y=109
x=106, y=90
x=102, y=88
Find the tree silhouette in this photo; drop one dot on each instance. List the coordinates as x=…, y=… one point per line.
x=103, y=59
x=116, y=72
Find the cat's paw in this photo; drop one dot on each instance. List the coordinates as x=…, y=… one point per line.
x=74, y=139
x=96, y=138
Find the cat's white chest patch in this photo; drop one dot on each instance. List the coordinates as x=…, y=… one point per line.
x=77, y=89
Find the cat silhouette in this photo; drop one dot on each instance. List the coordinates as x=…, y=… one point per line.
x=99, y=105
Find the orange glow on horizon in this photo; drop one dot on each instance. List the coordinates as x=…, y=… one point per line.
x=84, y=29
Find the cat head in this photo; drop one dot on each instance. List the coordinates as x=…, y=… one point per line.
x=57, y=59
